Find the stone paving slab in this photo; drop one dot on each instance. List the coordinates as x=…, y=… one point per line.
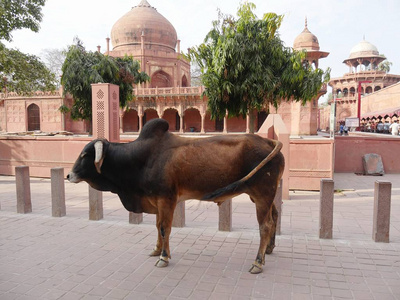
x=42, y=257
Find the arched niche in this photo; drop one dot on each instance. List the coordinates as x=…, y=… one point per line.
x=184, y=82
x=161, y=79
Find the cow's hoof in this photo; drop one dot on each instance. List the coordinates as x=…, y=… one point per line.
x=269, y=249
x=155, y=252
x=161, y=263
x=255, y=268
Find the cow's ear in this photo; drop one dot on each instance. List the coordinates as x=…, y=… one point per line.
x=99, y=155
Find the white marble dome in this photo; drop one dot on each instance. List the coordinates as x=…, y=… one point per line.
x=364, y=49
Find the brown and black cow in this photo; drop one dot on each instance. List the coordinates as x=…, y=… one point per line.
x=159, y=169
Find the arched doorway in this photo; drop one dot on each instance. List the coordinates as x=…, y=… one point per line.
x=33, y=117
x=149, y=114
x=192, y=120
x=160, y=79
x=130, y=121
x=172, y=117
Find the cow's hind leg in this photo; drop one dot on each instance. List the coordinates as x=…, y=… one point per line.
x=267, y=231
x=164, y=223
x=271, y=244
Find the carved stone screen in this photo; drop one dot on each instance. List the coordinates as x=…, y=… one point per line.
x=105, y=111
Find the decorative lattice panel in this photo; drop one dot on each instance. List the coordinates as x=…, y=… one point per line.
x=105, y=111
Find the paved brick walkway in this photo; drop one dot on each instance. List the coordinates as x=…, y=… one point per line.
x=42, y=257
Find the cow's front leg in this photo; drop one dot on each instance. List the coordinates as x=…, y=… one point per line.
x=157, y=249
x=164, y=223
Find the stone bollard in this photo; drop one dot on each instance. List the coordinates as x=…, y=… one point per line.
x=382, y=201
x=135, y=218
x=95, y=204
x=179, y=215
x=24, y=204
x=326, y=208
x=225, y=215
x=57, y=192
x=278, y=205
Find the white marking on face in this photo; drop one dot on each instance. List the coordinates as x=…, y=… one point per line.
x=72, y=177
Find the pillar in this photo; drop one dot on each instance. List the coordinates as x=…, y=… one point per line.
x=225, y=215
x=105, y=111
x=326, y=208
x=181, y=122
x=247, y=123
x=95, y=204
x=58, y=208
x=203, y=117
x=24, y=204
x=135, y=218
x=382, y=201
x=179, y=215
x=225, y=125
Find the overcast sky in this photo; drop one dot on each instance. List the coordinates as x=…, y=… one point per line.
x=338, y=24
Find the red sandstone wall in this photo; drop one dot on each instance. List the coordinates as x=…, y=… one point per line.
x=349, y=151
x=237, y=124
x=310, y=161
x=39, y=153
x=309, y=158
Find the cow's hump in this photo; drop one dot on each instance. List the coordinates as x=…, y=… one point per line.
x=153, y=128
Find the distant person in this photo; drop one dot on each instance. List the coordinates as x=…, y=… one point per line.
x=394, y=128
x=345, y=129
x=373, y=127
x=341, y=129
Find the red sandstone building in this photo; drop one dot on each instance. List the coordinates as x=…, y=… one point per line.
x=150, y=38
x=377, y=90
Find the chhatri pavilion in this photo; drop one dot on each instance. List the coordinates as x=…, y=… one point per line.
x=376, y=90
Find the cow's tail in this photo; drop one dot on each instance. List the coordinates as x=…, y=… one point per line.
x=237, y=184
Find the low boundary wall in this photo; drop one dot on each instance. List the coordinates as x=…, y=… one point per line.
x=39, y=153
x=309, y=158
x=349, y=151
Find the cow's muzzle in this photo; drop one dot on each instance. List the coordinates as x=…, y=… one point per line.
x=73, y=178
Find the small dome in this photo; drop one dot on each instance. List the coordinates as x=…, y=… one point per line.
x=159, y=34
x=363, y=49
x=306, y=40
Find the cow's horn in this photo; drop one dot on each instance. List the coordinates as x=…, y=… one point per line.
x=98, y=160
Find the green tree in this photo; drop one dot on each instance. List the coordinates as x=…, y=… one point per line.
x=385, y=66
x=246, y=66
x=20, y=72
x=81, y=68
x=18, y=14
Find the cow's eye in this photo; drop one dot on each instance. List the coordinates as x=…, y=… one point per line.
x=83, y=154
